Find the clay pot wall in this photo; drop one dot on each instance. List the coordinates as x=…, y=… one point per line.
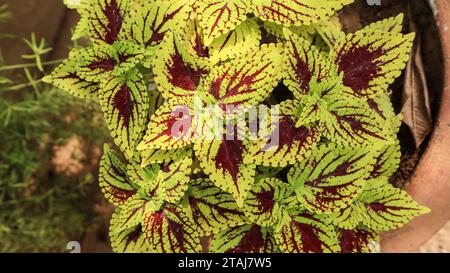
x=430, y=184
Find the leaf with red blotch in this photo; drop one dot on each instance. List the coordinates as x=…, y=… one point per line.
x=359, y=240
x=244, y=239
x=106, y=18
x=170, y=230
x=125, y=105
x=304, y=64
x=65, y=78
x=297, y=12
x=246, y=81
x=307, y=233
x=267, y=202
x=222, y=158
x=213, y=210
x=101, y=62
x=114, y=181
x=171, y=127
x=285, y=144
x=175, y=76
x=387, y=207
x=218, y=17
x=387, y=162
x=371, y=60
x=148, y=22
x=380, y=207
x=353, y=124
x=332, y=178
x=127, y=240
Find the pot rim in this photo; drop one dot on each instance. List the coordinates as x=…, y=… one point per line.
x=429, y=184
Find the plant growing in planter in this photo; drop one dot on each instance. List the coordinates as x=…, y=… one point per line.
x=310, y=176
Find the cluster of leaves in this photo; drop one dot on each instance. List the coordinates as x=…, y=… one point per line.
x=323, y=188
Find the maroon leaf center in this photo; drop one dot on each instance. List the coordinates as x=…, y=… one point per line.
x=360, y=66
x=287, y=134
x=183, y=75
x=115, y=19
x=229, y=157
x=353, y=240
x=122, y=102
x=251, y=242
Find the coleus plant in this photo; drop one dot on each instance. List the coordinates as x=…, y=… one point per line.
x=165, y=72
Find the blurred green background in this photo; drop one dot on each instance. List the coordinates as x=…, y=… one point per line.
x=50, y=142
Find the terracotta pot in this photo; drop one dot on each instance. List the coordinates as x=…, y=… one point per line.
x=430, y=184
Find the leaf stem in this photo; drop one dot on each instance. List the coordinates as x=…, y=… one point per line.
x=20, y=66
x=21, y=86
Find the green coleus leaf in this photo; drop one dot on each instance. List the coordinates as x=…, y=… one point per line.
x=303, y=64
x=331, y=32
x=171, y=127
x=82, y=7
x=222, y=158
x=380, y=207
x=170, y=230
x=370, y=59
x=131, y=239
x=125, y=105
x=106, y=19
x=266, y=202
x=212, y=209
x=155, y=100
x=244, y=239
x=247, y=80
x=114, y=181
x=332, y=178
x=149, y=21
x=166, y=182
x=382, y=105
x=74, y=4
x=132, y=212
x=105, y=61
x=353, y=123
x=159, y=156
x=386, y=162
x=175, y=76
x=391, y=24
x=301, y=12
x=307, y=233
x=285, y=144
x=190, y=44
x=82, y=28
x=65, y=77
x=348, y=121
x=359, y=240
x=387, y=207
x=218, y=17
x=246, y=37
x=278, y=31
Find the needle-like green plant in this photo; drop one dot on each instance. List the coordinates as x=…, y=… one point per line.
x=41, y=209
